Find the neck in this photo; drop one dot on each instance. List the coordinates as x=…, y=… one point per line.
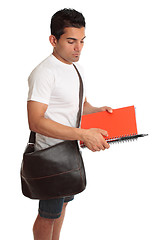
x=55, y=54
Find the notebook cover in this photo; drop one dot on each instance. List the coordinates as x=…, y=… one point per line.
x=120, y=123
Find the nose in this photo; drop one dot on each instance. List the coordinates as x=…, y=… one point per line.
x=78, y=47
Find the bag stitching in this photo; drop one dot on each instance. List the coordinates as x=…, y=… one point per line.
x=38, y=178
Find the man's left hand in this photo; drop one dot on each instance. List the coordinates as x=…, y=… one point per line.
x=105, y=108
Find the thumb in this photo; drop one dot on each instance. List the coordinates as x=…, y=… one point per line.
x=104, y=132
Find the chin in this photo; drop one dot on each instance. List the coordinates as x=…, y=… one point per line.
x=75, y=59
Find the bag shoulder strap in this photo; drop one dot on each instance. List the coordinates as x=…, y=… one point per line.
x=80, y=98
x=32, y=137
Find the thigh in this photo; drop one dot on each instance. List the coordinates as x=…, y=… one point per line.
x=51, y=208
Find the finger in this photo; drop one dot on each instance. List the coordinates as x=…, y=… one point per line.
x=105, y=108
x=93, y=148
x=96, y=149
x=103, y=146
x=89, y=146
x=109, y=109
x=103, y=132
x=106, y=145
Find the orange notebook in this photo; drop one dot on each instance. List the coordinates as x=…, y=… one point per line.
x=120, y=125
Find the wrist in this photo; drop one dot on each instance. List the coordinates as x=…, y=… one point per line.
x=80, y=133
x=98, y=109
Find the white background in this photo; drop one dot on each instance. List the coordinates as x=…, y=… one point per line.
x=120, y=58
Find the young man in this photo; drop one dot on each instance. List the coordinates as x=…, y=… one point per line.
x=53, y=106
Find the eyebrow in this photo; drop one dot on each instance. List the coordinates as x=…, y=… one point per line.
x=75, y=38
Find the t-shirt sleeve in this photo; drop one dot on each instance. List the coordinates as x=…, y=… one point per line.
x=41, y=84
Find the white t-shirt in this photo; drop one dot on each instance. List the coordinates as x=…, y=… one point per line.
x=56, y=84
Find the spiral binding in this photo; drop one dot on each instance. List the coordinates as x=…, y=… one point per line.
x=122, y=139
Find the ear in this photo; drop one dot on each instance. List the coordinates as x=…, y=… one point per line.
x=53, y=40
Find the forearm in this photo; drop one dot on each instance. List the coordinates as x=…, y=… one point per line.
x=53, y=129
x=88, y=108
x=92, y=138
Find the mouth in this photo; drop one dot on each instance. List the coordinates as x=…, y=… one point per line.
x=76, y=54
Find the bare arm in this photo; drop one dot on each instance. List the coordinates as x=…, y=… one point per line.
x=38, y=123
x=92, y=138
x=88, y=108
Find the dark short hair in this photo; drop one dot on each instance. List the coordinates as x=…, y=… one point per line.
x=66, y=18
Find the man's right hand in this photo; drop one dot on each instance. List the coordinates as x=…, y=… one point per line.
x=93, y=139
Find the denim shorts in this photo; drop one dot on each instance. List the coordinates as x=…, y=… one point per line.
x=52, y=208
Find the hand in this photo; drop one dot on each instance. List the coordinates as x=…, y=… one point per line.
x=93, y=139
x=105, y=108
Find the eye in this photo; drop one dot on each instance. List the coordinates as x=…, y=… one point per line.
x=70, y=42
x=82, y=42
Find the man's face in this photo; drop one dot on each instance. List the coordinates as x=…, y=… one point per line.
x=68, y=48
